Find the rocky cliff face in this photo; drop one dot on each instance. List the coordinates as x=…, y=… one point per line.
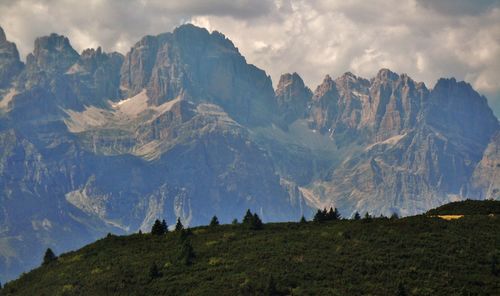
x=292, y=97
x=414, y=157
x=377, y=109
x=485, y=183
x=10, y=64
x=203, y=66
x=183, y=127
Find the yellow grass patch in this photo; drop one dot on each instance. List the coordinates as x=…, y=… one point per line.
x=450, y=217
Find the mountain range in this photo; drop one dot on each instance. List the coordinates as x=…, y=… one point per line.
x=183, y=126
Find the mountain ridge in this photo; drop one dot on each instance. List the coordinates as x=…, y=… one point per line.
x=183, y=127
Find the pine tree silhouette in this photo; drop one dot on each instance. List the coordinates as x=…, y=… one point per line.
x=247, y=219
x=179, y=226
x=157, y=228
x=214, y=222
x=49, y=257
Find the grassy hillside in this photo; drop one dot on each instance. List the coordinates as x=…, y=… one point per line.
x=468, y=207
x=418, y=255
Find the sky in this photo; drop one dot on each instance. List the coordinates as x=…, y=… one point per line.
x=427, y=39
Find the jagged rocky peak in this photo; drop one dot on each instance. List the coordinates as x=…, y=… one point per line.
x=158, y=63
x=289, y=81
x=292, y=97
x=457, y=109
x=291, y=88
x=350, y=84
x=349, y=77
x=10, y=64
x=396, y=102
x=327, y=86
x=3, y=38
x=91, y=59
x=96, y=76
x=202, y=66
x=385, y=74
x=52, y=53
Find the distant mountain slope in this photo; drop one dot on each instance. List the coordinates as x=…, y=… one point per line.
x=183, y=127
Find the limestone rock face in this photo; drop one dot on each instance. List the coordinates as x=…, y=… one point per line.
x=292, y=97
x=95, y=77
x=324, y=107
x=485, y=182
x=377, y=109
x=456, y=109
x=10, y=64
x=52, y=54
x=398, y=100
x=413, y=155
x=203, y=66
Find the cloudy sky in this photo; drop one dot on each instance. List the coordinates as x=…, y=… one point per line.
x=427, y=39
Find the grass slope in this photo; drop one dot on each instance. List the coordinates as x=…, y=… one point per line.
x=423, y=255
x=468, y=207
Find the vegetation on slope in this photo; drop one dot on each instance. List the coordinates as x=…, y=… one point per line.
x=418, y=255
x=468, y=207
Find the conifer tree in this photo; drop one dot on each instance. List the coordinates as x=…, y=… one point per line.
x=330, y=215
x=49, y=257
x=319, y=217
x=235, y=221
x=179, y=226
x=214, y=222
x=247, y=219
x=255, y=223
x=157, y=228
x=357, y=216
x=303, y=219
x=394, y=216
x=324, y=214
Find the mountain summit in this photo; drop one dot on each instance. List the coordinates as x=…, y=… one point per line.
x=183, y=126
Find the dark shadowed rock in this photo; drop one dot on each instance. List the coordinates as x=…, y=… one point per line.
x=52, y=54
x=10, y=64
x=456, y=109
x=95, y=77
x=292, y=97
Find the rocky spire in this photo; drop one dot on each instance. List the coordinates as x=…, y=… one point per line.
x=292, y=96
x=10, y=64
x=52, y=53
x=386, y=74
x=2, y=36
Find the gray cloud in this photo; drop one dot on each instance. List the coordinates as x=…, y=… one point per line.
x=460, y=7
x=426, y=39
